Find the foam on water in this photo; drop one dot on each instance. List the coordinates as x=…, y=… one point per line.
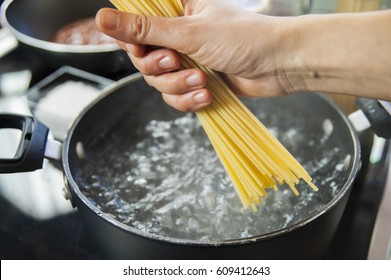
x=168, y=180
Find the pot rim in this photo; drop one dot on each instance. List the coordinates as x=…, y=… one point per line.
x=50, y=46
x=355, y=163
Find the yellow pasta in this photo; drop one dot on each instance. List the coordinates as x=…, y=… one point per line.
x=253, y=158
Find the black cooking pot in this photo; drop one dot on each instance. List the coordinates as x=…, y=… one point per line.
x=34, y=22
x=100, y=135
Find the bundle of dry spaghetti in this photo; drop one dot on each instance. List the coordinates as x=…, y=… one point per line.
x=254, y=159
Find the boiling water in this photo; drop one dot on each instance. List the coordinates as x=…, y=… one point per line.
x=166, y=179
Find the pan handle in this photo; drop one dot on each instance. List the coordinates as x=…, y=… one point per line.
x=374, y=114
x=8, y=42
x=33, y=144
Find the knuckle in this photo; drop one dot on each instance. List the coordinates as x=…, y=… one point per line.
x=176, y=102
x=150, y=81
x=143, y=68
x=140, y=27
x=183, y=106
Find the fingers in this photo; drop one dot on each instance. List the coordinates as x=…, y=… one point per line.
x=152, y=62
x=184, y=90
x=136, y=50
x=178, y=82
x=156, y=63
x=190, y=101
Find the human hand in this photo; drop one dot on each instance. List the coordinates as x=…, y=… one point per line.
x=240, y=44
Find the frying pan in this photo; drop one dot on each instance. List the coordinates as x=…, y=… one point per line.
x=111, y=128
x=34, y=22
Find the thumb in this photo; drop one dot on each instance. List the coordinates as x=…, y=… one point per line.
x=138, y=29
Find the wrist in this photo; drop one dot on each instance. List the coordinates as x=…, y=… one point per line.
x=292, y=67
x=336, y=53
x=274, y=52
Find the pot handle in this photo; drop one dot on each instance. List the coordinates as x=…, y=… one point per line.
x=8, y=42
x=374, y=114
x=33, y=144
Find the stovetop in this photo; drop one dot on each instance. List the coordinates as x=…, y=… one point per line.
x=37, y=223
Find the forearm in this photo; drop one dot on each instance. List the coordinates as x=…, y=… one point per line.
x=341, y=53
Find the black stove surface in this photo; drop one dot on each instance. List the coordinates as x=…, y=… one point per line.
x=66, y=237
x=61, y=238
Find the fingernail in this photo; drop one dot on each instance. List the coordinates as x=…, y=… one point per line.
x=166, y=63
x=200, y=97
x=110, y=20
x=193, y=80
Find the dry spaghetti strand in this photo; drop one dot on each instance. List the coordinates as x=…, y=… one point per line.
x=253, y=158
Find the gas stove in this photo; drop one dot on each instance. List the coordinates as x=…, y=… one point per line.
x=36, y=222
